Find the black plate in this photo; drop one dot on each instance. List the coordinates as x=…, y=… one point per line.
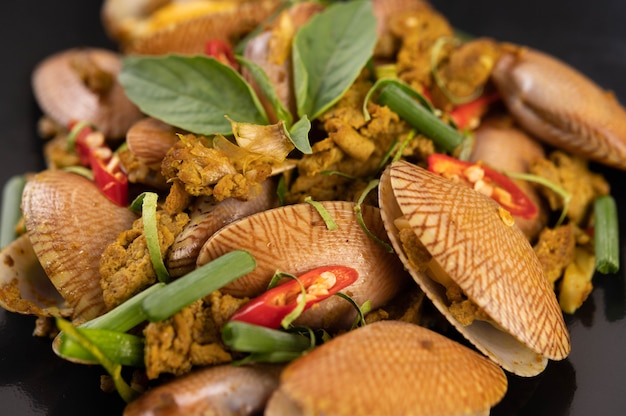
x=589, y=35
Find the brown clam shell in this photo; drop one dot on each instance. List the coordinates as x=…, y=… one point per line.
x=24, y=286
x=149, y=139
x=190, y=36
x=64, y=97
x=70, y=223
x=216, y=390
x=389, y=368
x=492, y=262
x=206, y=217
x=562, y=107
x=295, y=239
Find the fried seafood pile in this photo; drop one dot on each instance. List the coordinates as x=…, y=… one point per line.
x=233, y=116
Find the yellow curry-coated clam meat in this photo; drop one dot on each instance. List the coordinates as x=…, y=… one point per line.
x=451, y=239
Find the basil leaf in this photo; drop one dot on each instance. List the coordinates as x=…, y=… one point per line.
x=266, y=86
x=190, y=92
x=299, y=135
x=329, y=52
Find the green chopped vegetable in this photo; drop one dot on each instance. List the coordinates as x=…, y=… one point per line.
x=11, y=211
x=125, y=316
x=151, y=232
x=245, y=337
x=114, y=369
x=328, y=219
x=445, y=137
x=606, y=234
x=197, y=284
x=119, y=347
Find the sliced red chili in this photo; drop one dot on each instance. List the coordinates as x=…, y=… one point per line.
x=221, y=51
x=107, y=175
x=271, y=307
x=466, y=115
x=487, y=181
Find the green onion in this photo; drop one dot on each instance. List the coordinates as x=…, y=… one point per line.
x=328, y=219
x=434, y=61
x=73, y=134
x=11, y=211
x=359, y=215
x=197, y=284
x=115, y=370
x=245, y=337
x=125, y=316
x=529, y=177
x=269, y=357
x=606, y=235
x=151, y=232
x=444, y=136
x=121, y=348
x=360, y=310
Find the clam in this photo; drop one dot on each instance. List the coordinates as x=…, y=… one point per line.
x=80, y=84
x=461, y=242
x=70, y=223
x=220, y=390
x=226, y=20
x=389, y=368
x=509, y=149
x=149, y=139
x=206, y=217
x=24, y=286
x=295, y=239
x=561, y=106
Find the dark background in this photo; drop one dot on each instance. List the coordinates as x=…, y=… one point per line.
x=589, y=35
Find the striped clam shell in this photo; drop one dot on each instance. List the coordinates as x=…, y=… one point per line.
x=492, y=262
x=562, y=107
x=404, y=369
x=295, y=239
x=70, y=223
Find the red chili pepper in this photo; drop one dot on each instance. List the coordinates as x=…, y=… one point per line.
x=486, y=180
x=271, y=307
x=221, y=51
x=465, y=115
x=108, y=176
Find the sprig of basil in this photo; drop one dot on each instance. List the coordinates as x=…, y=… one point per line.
x=190, y=92
x=329, y=52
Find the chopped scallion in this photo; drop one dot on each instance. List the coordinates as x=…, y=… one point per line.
x=245, y=337
x=119, y=347
x=197, y=284
x=151, y=232
x=606, y=234
x=328, y=219
x=444, y=136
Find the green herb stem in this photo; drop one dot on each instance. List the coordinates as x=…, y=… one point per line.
x=197, y=284
x=151, y=232
x=444, y=136
x=11, y=211
x=245, y=337
x=328, y=219
x=125, y=316
x=120, y=348
x=606, y=234
x=114, y=369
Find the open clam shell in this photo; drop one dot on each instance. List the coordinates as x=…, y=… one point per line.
x=64, y=95
x=70, y=223
x=491, y=261
x=24, y=286
x=389, y=367
x=295, y=239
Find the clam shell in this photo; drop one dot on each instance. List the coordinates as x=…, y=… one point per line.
x=562, y=107
x=492, y=262
x=149, y=139
x=295, y=239
x=389, y=368
x=70, y=223
x=63, y=96
x=206, y=217
x=190, y=36
x=24, y=286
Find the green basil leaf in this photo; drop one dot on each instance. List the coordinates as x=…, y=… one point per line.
x=329, y=52
x=299, y=135
x=266, y=86
x=190, y=92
